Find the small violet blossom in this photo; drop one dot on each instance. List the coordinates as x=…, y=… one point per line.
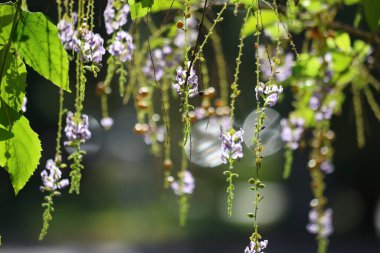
x=272, y=93
x=192, y=81
x=89, y=45
x=291, y=131
x=327, y=167
x=113, y=21
x=188, y=184
x=77, y=131
x=106, y=122
x=51, y=178
x=23, y=107
x=324, y=221
x=231, y=145
x=256, y=247
x=122, y=47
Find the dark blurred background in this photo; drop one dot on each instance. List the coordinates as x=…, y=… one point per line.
x=123, y=208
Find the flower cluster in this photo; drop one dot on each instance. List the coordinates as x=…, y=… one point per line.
x=188, y=184
x=291, y=131
x=270, y=93
x=256, y=247
x=89, y=45
x=231, y=145
x=113, y=21
x=192, y=81
x=51, y=178
x=66, y=31
x=155, y=133
x=161, y=62
x=191, y=33
x=283, y=71
x=320, y=225
x=322, y=112
x=77, y=131
x=122, y=47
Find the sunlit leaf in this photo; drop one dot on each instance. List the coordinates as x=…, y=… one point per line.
x=19, y=155
x=37, y=41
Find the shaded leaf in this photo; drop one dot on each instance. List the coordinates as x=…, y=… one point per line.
x=372, y=13
x=13, y=83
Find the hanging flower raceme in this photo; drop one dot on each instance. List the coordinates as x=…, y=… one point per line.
x=192, y=81
x=66, y=30
x=231, y=145
x=256, y=247
x=107, y=122
x=161, y=62
x=115, y=19
x=283, y=70
x=292, y=131
x=77, y=131
x=188, y=184
x=51, y=178
x=89, y=45
x=122, y=46
x=321, y=225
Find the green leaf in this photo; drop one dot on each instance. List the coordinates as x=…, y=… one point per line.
x=269, y=17
x=7, y=12
x=13, y=84
x=37, y=41
x=372, y=13
x=140, y=8
x=343, y=42
x=19, y=155
x=5, y=134
x=351, y=2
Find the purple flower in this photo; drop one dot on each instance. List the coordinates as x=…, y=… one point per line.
x=51, y=177
x=282, y=71
x=192, y=81
x=113, y=21
x=191, y=33
x=320, y=224
x=122, y=47
x=159, y=133
x=327, y=167
x=188, y=184
x=326, y=111
x=231, y=145
x=23, y=106
x=314, y=103
x=291, y=131
x=161, y=62
x=66, y=31
x=273, y=92
x=106, y=122
x=259, y=90
x=89, y=45
x=256, y=247
x=77, y=131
